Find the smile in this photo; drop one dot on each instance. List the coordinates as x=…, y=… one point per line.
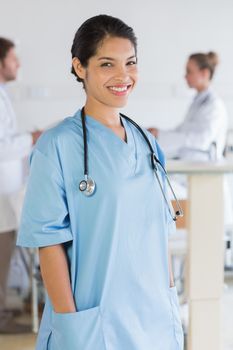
x=120, y=89
x=114, y=88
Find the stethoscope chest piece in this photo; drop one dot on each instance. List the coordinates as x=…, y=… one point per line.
x=87, y=186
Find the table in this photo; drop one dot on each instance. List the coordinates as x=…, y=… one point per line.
x=205, y=273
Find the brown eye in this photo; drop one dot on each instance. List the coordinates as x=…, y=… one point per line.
x=131, y=63
x=106, y=64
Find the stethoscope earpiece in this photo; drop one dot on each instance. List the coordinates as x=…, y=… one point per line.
x=154, y=162
x=179, y=213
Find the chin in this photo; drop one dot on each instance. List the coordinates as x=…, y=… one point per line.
x=192, y=86
x=119, y=104
x=11, y=78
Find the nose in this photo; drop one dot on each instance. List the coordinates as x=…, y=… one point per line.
x=121, y=73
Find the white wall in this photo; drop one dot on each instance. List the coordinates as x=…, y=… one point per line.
x=168, y=31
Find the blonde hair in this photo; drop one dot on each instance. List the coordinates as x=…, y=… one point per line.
x=208, y=61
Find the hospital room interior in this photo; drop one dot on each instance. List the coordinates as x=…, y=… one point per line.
x=183, y=100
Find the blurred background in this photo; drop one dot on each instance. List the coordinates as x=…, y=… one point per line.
x=167, y=31
x=45, y=92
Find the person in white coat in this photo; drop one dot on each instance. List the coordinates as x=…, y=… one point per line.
x=14, y=149
x=202, y=134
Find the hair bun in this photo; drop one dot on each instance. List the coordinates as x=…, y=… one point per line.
x=213, y=58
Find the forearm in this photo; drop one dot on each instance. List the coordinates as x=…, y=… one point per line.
x=55, y=274
x=15, y=147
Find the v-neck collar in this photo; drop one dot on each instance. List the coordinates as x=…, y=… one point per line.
x=127, y=150
x=92, y=122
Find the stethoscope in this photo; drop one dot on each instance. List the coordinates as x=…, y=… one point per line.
x=87, y=186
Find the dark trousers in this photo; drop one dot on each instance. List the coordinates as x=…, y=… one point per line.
x=7, y=245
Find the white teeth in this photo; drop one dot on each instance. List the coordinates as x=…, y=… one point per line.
x=118, y=89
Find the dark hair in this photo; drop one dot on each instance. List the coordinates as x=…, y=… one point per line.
x=206, y=61
x=91, y=34
x=5, y=46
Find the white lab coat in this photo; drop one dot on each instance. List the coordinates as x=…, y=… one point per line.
x=14, y=150
x=200, y=137
x=204, y=125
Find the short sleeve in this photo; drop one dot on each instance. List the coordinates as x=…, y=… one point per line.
x=170, y=223
x=45, y=217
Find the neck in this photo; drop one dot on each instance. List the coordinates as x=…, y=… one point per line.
x=109, y=116
x=203, y=87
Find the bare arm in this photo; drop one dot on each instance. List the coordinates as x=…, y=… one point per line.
x=154, y=131
x=55, y=274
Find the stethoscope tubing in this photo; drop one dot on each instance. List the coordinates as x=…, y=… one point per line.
x=87, y=185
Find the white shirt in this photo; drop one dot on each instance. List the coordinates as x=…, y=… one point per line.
x=205, y=124
x=202, y=133
x=14, y=150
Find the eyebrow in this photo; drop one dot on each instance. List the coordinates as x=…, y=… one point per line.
x=112, y=59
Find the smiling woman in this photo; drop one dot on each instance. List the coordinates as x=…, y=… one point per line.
x=111, y=73
x=108, y=67
x=103, y=244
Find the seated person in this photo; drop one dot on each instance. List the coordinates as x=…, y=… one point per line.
x=202, y=134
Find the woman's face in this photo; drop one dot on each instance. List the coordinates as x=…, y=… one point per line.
x=196, y=78
x=112, y=73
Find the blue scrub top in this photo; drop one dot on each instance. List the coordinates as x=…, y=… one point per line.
x=116, y=240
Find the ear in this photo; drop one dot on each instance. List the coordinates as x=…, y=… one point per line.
x=79, y=69
x=206, y=73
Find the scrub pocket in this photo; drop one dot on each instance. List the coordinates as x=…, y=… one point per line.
x=176, y=318
x=77, y=331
